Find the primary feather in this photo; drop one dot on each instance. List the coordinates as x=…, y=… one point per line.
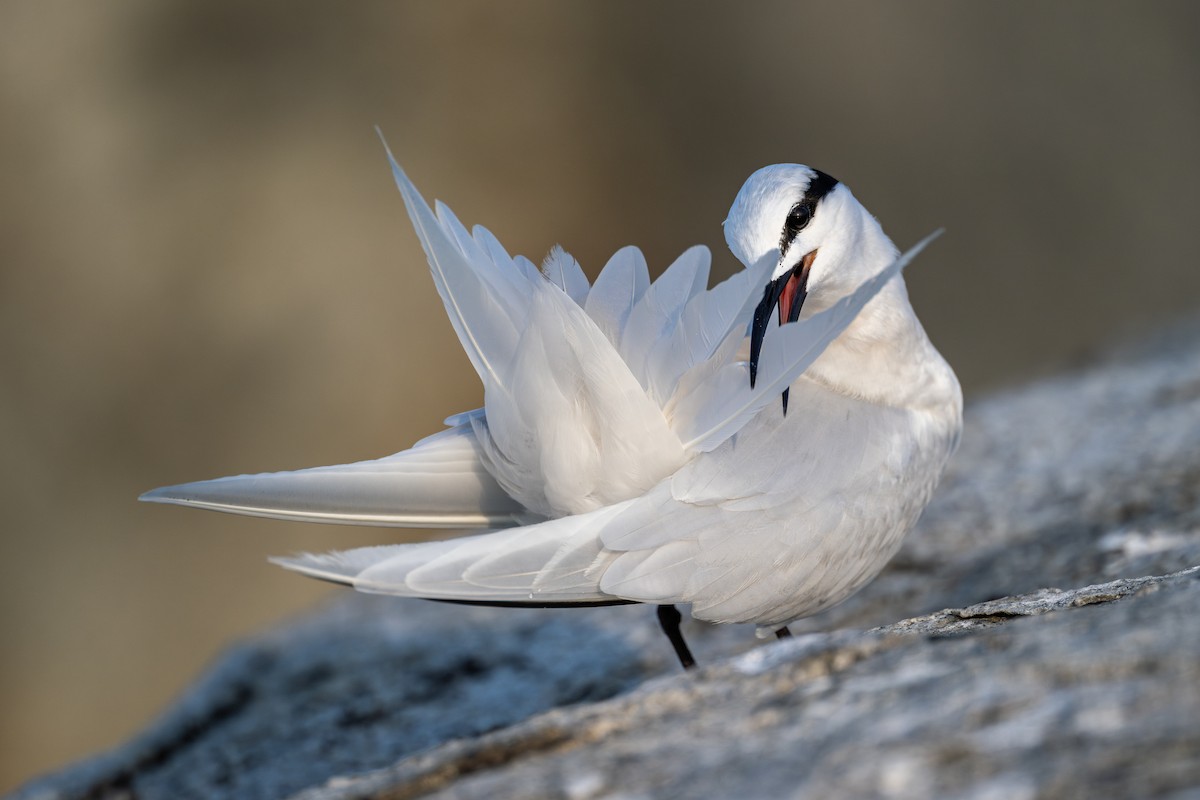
x=439, y=483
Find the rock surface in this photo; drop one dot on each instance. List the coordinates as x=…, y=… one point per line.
x=1065, y=540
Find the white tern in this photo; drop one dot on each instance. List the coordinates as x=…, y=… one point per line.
x=757, y=450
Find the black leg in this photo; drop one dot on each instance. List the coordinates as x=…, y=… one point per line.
x=668, y=618
x=783, y=633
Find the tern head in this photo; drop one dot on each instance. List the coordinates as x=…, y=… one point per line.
x=827, y=243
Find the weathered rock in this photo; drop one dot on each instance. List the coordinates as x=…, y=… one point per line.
x=1089, y=480
x=959, y=703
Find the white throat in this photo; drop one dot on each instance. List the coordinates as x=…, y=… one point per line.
x=884, y=356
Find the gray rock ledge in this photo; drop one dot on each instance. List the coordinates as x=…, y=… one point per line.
x=1089, y=482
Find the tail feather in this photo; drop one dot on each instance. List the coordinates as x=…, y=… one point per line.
x=561, y=269
x=484, y=310
x=656, y=313
x=704, y=323
x=622, y=282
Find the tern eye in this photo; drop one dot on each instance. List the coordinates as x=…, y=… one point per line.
x=797, y=220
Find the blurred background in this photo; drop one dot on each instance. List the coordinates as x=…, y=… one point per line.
x=205, y=268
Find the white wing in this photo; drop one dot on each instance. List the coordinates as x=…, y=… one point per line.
x=439, y=483
x=556, y=562
x=482, y=298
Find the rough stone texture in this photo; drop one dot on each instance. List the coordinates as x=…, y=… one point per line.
x=1087, y=482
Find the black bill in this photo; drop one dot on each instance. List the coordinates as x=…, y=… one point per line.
x=786, y=293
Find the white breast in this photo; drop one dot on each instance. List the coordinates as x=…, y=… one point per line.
x=789, y=517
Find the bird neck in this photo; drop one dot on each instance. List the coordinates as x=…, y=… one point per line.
x=885, y=357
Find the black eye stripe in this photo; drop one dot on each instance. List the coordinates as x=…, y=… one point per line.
x=801, y=213
x=821, y=185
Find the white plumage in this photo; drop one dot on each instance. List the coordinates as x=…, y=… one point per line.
x=621, y=442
